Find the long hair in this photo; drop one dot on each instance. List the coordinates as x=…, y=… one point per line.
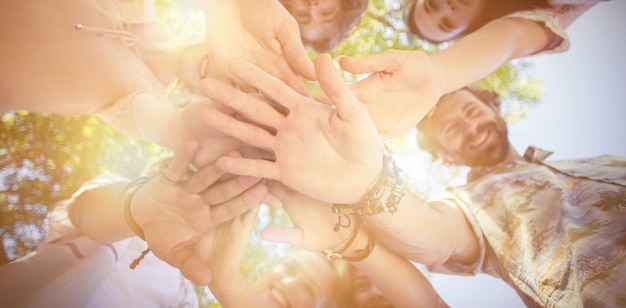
x=493, y=9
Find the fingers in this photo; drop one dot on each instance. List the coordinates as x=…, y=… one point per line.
x=266, y=83
x=203, y=179
x=237, y=206
x=184, y=154
x=249, y=167
x=249, y=105
x=228, y=190
x=363, y=64
x=282, y=234
x=295, y=52
x=335, y=87
x=273, y=201
x=246, y=132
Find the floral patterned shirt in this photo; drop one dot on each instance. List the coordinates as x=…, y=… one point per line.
x=555, y=231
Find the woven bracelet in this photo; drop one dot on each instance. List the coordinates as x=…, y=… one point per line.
x=130, y=191
x=360, y=255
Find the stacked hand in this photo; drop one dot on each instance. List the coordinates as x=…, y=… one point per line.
x=333, y=153
x=180, y=220
x=261, y=32
x=402, y=87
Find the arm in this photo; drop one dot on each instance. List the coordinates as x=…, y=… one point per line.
x=400, y=282
x=484, y=50
x=346, y=142
x=404, y=85
x=429, y=233
x=406, y=287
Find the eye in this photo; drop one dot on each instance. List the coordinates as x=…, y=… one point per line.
x=302, y=16
x=329, y=14
x=451, y=129
x=471, y=111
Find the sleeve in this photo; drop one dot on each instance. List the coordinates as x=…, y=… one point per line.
x=125, y=115
x=461, y=268
x=557, y=19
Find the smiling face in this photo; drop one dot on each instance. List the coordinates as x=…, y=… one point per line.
x=468, y=131
x=300, y=281
x=317, y=19
x=444, y=20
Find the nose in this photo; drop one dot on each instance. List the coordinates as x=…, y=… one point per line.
x=470, y=126
x=447, y=7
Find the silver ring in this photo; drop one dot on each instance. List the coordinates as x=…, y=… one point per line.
x=168, y=181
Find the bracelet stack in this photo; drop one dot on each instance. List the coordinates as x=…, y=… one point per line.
x=384, y=196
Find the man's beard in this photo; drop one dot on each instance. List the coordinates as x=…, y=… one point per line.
x=495, y=152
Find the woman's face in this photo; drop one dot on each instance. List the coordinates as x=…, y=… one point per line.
x=317, y=19
x=443, y=20
x=300, y=282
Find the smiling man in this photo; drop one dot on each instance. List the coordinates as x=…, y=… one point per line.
x=555, y=231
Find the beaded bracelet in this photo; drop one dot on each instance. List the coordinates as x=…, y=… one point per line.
x=130, y=191
x=384, y=196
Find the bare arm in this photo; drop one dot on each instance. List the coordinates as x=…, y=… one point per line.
x=428, y=233
x=404, y=85
x=480, y=53
x=406, y=287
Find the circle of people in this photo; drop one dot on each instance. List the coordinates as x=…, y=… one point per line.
x=252, y=135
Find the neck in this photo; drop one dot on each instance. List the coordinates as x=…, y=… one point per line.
x=512, y=155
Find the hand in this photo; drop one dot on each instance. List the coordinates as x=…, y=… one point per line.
x=192, y=121
x=332, y=154
x=177, y=220
x=401, y=90
x=261, y=32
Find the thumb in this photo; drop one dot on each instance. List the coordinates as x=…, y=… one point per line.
x=296, y=55
x=335, y=87
x=363, y=64
x=282, y=234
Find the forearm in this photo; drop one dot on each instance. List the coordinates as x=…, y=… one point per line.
x=145, y=115
x=483, y=51
x=99, y=213
x=400, y=282
x=428, y=233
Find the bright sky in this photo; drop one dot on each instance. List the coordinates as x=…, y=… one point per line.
x=582, y=115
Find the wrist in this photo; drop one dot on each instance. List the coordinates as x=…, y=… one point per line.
x=357, y=247
x=382, y=196
x=129, y=193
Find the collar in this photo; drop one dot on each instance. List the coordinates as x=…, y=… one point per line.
x=534, y=154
